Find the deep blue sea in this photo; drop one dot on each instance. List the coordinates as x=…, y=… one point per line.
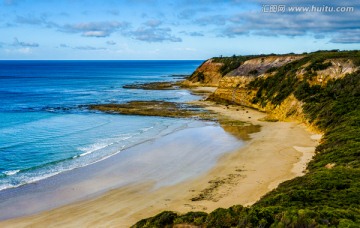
x=45, y=129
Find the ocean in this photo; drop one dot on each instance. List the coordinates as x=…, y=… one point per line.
x=45, y=129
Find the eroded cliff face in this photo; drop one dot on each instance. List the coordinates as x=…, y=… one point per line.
x=338, y=69
x=258, y=66
x=208, y=74
x=233, y=87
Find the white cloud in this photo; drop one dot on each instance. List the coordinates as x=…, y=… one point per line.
x=26, y=50
x=24, y=44
x=153, y=23
x=95, y=29
x=150, y=34
x=89, y=48
x=110, y=42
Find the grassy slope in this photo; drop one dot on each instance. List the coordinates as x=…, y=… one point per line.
x=323, y=197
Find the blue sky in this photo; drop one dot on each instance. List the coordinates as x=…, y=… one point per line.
x=183, y=29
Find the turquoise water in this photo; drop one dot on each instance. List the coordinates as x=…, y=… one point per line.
x=45, y=129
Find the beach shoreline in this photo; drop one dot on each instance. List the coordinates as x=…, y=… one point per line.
x=240, y=177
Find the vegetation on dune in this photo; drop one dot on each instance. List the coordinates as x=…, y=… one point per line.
x=329, y=194
x=275, y=89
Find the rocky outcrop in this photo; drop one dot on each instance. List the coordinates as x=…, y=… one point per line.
x=207, y=74
x=155, y=108
x=154, y=86
x=233, y=90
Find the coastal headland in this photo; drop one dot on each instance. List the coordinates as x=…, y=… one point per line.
x=270, y=104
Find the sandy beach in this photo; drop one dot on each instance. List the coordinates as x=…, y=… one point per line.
x=279, y=152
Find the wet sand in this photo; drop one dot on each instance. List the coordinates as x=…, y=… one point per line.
x=277, y=153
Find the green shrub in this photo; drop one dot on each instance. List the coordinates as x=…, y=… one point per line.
x=271, y=69
x=196, y=218
x=253, y=72
x=225, y=217
x=164, y=219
